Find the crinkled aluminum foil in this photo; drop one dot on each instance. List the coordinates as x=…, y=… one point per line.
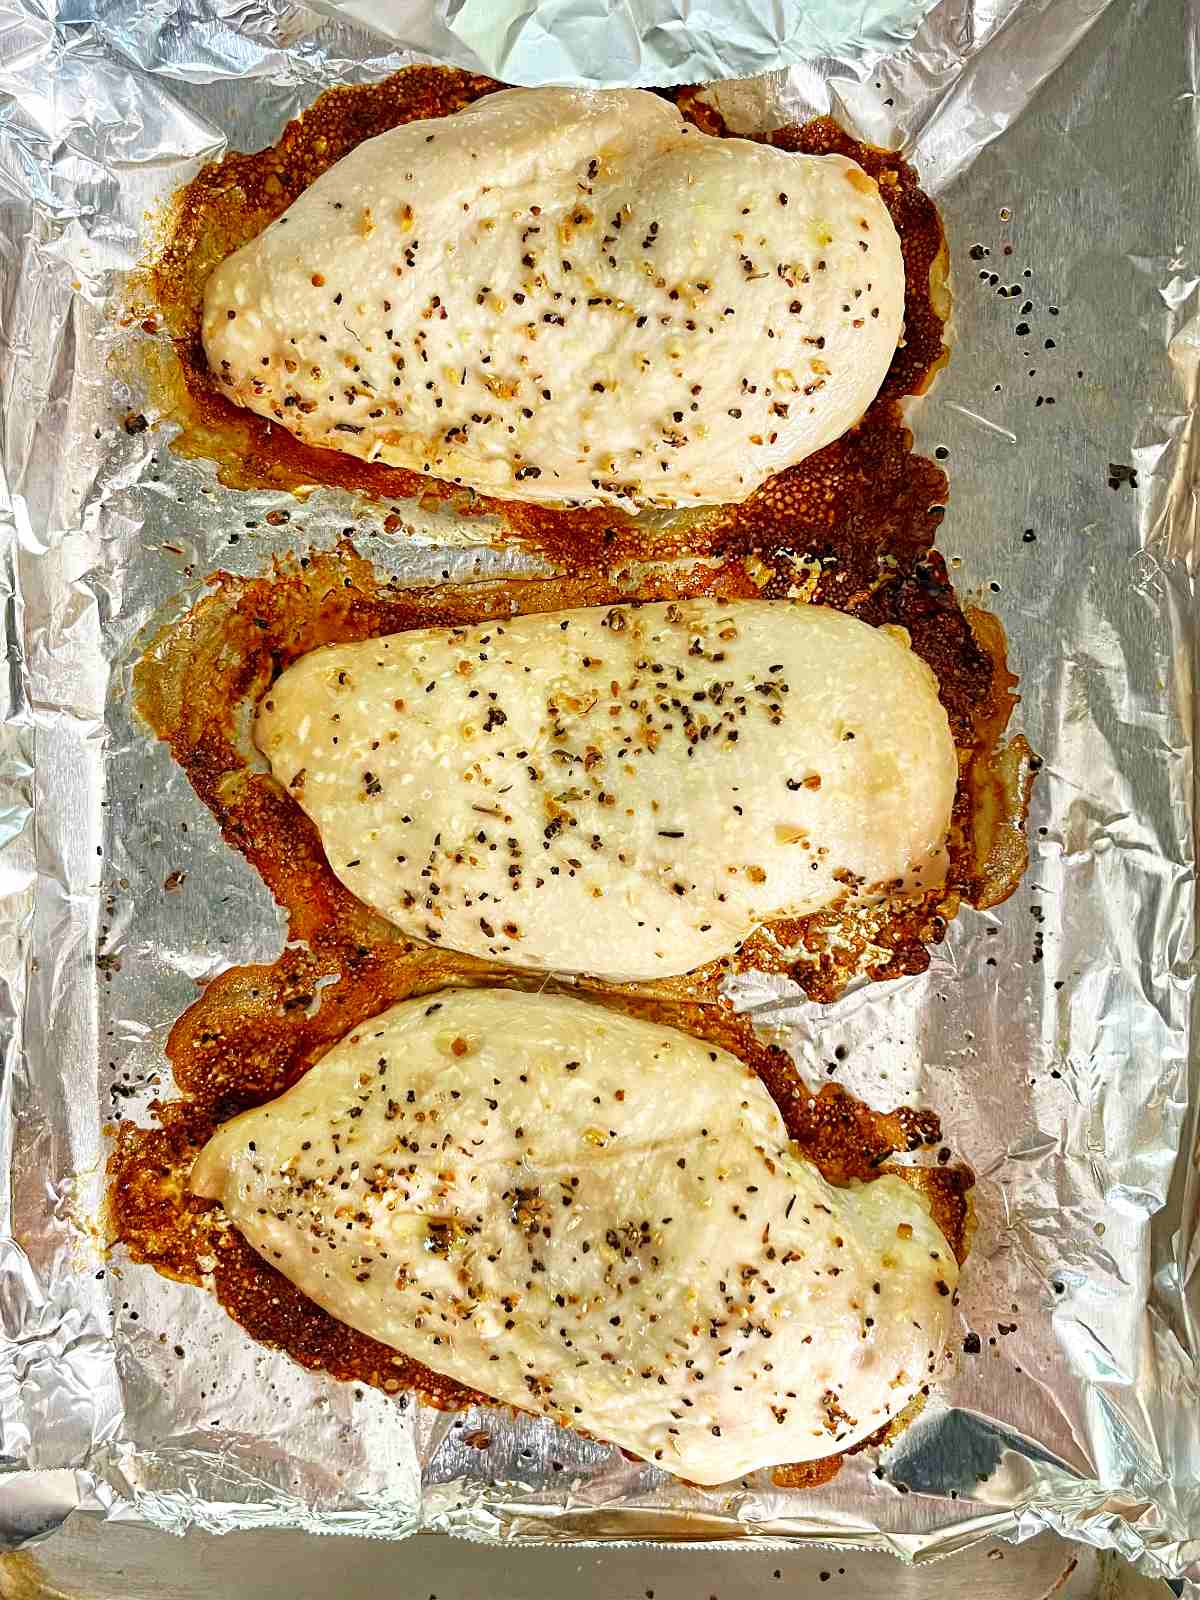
x=1052, y=1035
x=647, y=42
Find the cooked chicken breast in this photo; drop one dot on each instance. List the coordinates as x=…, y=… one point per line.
x=567, y=296
x=598, y=1219
x=625, y=792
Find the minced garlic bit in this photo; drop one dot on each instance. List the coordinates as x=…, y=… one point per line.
x=625, y=791
x=570, y=297
x=682, y=1285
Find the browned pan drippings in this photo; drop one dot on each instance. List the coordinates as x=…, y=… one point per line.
x=256, y=1029
x=251, y=1035
x=852, y=527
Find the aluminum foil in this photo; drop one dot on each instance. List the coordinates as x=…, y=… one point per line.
x=647, y=42
x=1053, y=1035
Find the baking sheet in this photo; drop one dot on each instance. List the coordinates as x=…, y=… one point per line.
x=1052, y=1035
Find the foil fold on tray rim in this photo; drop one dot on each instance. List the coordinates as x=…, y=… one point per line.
x=1052, y=1035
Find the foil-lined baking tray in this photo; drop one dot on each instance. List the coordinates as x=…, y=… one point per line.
x=1052, y=1035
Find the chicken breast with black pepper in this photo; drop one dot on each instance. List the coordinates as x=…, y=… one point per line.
x=625, y=792
x=598, y=1219
x=567, y=296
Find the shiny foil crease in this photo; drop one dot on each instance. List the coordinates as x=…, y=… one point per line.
x=643, y=42
x=1052, y=1035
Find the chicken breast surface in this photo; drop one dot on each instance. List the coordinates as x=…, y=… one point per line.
x=625, y=792
x=567, y=296
x=598, y=1219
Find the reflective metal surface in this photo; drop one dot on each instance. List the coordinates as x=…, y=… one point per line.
x=1052, y=1036
x=90, y=1561
x=647, y=42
